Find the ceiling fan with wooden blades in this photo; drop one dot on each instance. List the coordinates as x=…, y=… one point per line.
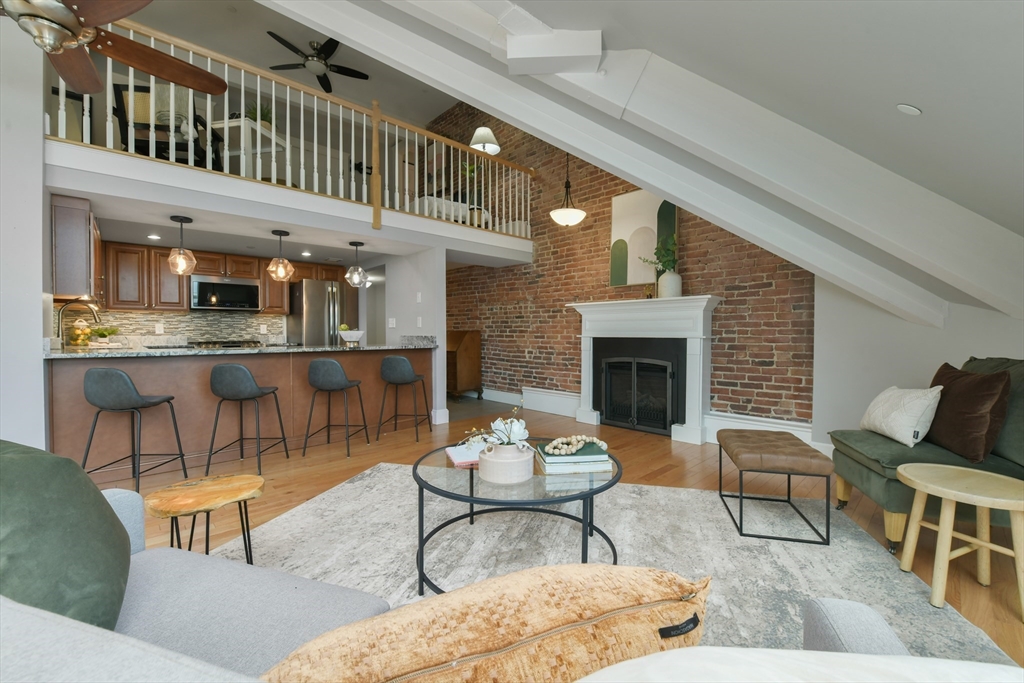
x=317, y=61
x=62, y=27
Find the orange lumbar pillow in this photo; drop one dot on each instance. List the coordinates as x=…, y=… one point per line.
x=555, y=623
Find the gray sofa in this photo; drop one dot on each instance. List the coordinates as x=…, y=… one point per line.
x=209, y=617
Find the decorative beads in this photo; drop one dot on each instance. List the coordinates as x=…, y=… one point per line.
x=567, y=445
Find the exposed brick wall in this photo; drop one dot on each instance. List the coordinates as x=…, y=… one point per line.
x=763, y=350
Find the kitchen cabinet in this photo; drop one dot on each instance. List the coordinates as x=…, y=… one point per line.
x=127, y=275
x=77, y=250
x=167, y=291
x=329, y=273
x=208, y=263
x=273, y=294
x=243, y=266
x=304, y=271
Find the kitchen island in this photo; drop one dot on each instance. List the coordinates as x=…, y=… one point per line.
x=185, y=374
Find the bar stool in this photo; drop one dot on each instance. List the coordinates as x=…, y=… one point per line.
x=327, y=375
x=111, y=390
x=234, y=382
x=397, y=370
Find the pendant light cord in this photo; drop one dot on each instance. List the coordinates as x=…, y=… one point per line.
x=181, y=236
x=567, y=200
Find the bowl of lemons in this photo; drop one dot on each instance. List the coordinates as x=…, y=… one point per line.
x=351, y=337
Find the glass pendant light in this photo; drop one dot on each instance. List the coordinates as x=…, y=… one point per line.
x=356, y=276
x=280, y=269
x=181, y=260
x=568, y=215
x=484, y=140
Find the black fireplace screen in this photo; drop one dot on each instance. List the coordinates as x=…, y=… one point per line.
x=638, y=394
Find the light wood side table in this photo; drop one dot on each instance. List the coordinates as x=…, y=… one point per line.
x=192, y=496
x=953, y=485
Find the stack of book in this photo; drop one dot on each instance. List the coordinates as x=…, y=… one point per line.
x=589, y=459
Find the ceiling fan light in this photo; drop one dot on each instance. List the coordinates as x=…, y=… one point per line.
x=484, y=141
x=316, y=67
x=280, y=269
x=182, y=261
x=568, y=216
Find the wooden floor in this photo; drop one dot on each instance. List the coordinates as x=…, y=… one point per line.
x=646, y=459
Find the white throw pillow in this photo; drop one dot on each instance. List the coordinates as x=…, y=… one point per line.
x=903, y=415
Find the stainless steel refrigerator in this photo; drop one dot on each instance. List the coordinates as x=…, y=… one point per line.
x=317, y=310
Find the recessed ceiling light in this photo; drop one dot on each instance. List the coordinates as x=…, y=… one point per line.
x=154, y=236
x=306, y=253
x=249, y=246
x=908, y=109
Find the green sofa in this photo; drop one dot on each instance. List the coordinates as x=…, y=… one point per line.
x=868, y=461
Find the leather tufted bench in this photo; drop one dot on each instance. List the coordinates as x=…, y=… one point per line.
x=766, y=452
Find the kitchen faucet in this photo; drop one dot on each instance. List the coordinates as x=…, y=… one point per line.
x=86, y=301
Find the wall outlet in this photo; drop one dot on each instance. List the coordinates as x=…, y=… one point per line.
x=419, y=321
x=263, y=329
x=419, y=297
x=391, y=322
x=159, y=328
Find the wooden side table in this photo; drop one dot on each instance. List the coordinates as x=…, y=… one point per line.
x=193, y=496
x=953, y=485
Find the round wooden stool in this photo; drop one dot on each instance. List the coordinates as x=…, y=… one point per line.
x=953, y=485
x=193, y=496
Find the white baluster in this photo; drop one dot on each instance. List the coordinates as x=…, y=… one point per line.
x=529, y=220
x=86, y=119
x=288, y=135
x=129, y=144
x=330, y=181
x=386, y=196
x=366, y=161
x=227, y=131
x=352, y=157
x=209, y=120
x=243, y=143
x=302, y=140
x=273, y=132
x=341, y=151
x=62, y=124
x=259, y=128
x=451, y=181
x=405, y=171
x=316, y=145
x=416, y=174
x=172, y=132
x=110, y=98
x=435, y=194
x=397, y=204
x=191, y=121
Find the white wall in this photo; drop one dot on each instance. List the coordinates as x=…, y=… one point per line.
x=859, y=350
x=423, y=274
x=22, y=225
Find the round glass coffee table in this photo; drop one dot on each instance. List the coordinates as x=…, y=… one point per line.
x=435, y=472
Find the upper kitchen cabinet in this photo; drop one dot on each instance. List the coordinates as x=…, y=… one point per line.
x=304, y=271
x=242, y=266
x=273, y=294
x=127, y=277
x=77, y=250
x=208, y=263
x=329, y=273
x=167, y=291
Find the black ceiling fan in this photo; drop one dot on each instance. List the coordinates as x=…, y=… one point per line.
x=316, y=62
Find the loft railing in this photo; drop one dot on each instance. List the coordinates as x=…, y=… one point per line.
x=271, y=129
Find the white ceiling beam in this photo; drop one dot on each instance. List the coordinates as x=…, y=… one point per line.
x=554, y=53
x=443, y=68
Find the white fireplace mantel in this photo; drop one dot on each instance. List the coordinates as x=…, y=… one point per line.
x=685, y=317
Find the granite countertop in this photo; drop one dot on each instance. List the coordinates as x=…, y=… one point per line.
x=93, y=352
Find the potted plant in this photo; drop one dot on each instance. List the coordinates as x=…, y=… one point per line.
x=508, y=456
x=670, y=283
x=103, y=334
x=266, y=114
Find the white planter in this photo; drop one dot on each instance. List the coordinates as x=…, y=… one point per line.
x=506, y=464
x=670, y=284
x=352, y=337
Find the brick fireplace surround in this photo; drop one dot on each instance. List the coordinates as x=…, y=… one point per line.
x=762, y=350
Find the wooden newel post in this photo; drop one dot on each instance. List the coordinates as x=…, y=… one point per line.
x=375, y=179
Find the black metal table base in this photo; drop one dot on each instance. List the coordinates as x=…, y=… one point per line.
x=588, y=529
x=243, y=516
x=823, y=539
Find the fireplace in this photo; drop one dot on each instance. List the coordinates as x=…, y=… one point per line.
x=639, y=383
x=655, y=340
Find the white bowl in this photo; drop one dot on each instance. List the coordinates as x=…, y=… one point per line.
x=352, y=337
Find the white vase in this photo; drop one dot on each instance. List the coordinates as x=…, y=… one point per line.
x=670, y=284
x=506, y=464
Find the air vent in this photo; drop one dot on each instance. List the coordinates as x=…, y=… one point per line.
x=332, y=260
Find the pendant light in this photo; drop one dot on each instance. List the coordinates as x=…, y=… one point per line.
x=567, y=214
x=280, y=269
x=356, y=276
x=484, y=140
x=181, y=260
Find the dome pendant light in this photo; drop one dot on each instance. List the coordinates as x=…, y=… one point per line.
x=181, y=260
x=280, y=269
x=356, y=276
x=567, y=214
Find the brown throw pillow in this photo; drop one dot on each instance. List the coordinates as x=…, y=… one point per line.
x=971, y=411
x=554, y=624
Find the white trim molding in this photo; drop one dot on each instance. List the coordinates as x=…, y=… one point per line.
x=714, y=421
x=683, y=317
x=563, y=403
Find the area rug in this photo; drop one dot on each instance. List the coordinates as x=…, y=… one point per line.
x=362, y=534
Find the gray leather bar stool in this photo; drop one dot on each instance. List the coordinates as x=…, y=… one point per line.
x=397, y=371
x=234, y=382
x=327, y=375
x=111, y=390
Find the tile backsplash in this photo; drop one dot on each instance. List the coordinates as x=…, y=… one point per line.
x=196, y=325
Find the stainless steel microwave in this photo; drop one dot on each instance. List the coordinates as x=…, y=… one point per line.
x=216, y=293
